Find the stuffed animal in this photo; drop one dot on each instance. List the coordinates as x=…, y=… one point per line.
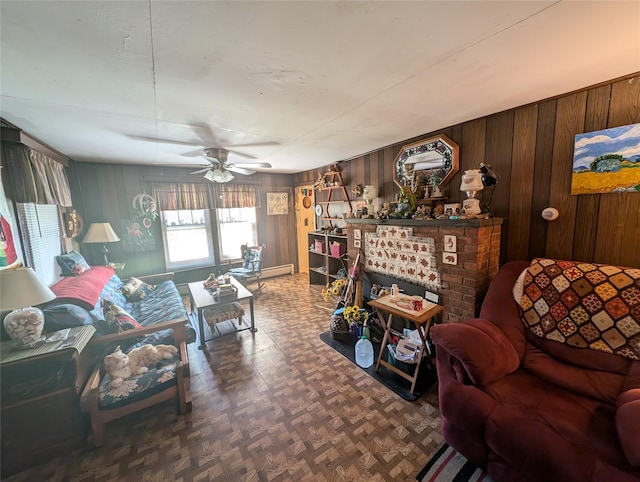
x=121, y=366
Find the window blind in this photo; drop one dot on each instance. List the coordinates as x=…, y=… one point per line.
x=41, y=239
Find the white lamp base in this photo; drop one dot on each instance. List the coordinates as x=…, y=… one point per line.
x=25, y=325
x=471, y=206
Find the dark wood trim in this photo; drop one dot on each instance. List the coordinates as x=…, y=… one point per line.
x=13, y=134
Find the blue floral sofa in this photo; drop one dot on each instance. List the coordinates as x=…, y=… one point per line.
x=80, y=300
x=151, y=313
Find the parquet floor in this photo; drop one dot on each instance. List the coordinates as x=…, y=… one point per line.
x=277, y=405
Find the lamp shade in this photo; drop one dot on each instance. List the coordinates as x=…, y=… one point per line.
x=472, y=180
x=21, y=287
x=101, y=233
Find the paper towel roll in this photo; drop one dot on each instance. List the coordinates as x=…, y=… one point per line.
x=550, y=214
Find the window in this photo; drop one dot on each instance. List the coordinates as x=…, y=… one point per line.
x=188, y=242
x=41, y=239
x=236, y=226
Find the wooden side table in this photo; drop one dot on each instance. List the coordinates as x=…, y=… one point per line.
x=40, y=400
x=387, y=307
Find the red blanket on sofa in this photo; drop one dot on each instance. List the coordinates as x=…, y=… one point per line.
x=83, y=290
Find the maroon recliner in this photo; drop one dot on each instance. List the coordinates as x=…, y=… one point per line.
x=529, y=409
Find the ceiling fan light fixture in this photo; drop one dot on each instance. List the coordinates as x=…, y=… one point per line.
x=227, y=176
x=213, y=175
x=218, y=175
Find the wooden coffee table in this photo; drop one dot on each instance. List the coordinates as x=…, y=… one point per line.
x=201, y=299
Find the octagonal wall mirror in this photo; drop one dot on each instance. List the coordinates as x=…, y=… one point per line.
x=416, y=163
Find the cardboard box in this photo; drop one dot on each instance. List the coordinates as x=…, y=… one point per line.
x=319, y=246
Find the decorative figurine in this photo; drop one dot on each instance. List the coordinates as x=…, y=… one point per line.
x=406, y=204
x=369, y=194
x=435, y=180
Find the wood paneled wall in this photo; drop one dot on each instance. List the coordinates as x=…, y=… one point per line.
x=104, y=192
x=531, y=148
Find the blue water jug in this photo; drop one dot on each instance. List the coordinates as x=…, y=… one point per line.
x=364, y=352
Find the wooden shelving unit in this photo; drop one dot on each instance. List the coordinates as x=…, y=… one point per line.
x=331, y=182
x=323, y=265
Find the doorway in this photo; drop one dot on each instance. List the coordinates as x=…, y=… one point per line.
x=305, y=223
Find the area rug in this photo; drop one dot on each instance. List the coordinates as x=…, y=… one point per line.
x=389, y=379
x=447, y=465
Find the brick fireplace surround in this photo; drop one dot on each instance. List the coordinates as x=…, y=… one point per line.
x=478, y=247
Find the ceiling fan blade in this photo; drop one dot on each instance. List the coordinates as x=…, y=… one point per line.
x=212, y=160
x=256, y=144
x=194, y=153
x=252, y=164
x=240, y=170
x=200, y=170
x=162, y=141
x=242, y=154
x=205, y=133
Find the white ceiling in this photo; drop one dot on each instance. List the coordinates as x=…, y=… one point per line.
x=316, y=82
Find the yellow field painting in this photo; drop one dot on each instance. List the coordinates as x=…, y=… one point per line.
x=598, y=182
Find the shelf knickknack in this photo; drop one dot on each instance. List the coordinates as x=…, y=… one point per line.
x=420, y=164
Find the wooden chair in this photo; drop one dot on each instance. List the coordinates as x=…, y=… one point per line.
x=251, y=267
x=169, y=380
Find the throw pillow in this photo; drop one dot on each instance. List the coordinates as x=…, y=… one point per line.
x=64, y=316
x=117, y=318
x=135, y=290
x=72, y=264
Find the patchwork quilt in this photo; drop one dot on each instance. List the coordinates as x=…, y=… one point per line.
x=584, y=305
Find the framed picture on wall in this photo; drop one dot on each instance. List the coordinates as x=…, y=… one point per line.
x=277, y=203
x=607, y=161
x=136, y=238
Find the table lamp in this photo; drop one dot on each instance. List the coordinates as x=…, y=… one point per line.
x=101, y=233
x=20, y=288
x=471, y=184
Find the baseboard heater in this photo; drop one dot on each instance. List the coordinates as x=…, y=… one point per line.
x=277, y=271
x=266, y=273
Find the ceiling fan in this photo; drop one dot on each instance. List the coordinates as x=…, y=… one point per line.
x=220, y=170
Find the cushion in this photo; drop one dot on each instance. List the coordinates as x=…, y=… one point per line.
x=139, y=387
x=65, y=316
x=72, y=264
x=628, y=425
x=117, y=318
x=485, y=353
x=252, y=259
x=135, y=290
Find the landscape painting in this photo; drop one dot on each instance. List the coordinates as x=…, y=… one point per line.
x=607, y=161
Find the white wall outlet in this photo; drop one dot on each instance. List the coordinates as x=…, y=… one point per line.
x=450, y=258
x=449, y=243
